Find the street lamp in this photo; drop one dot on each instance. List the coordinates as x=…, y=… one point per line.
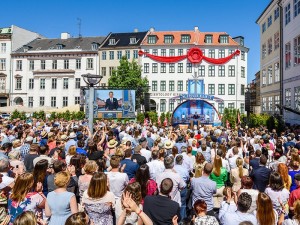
x=91, y=80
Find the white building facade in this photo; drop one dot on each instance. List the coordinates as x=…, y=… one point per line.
x=168, y=80
x=291, y=69
x=47, y=72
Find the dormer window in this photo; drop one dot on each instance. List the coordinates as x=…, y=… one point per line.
x=26, y=48
x=208, y=39
x=59, y=46
x=51, y=47
x=223, y=39
x=112, y=41
x=151, y=39
x=133, y=40
x=185, y=38
x=94, y=46
x=168, y=39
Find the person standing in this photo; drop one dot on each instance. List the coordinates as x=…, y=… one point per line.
x=111, y=103
x=261, y=175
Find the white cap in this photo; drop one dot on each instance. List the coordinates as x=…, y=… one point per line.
x=29, y=138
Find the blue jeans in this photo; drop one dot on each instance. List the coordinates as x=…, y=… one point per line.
x=183, y=194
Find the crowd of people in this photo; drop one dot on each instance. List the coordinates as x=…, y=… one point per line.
x=60, y=172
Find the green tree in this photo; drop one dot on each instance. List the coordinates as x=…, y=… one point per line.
x=18, y=115
x=162, y=118
x=129, y=75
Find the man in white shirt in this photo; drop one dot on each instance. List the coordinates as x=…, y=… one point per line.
x=156, y=166
x=144, y=152
x=6, y=180
x=232, y=159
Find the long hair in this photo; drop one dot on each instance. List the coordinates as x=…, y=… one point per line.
x=27, y=217
x=142, y=177
x=283, y=170
x=276, y=182
x=297, y=210
x=40, y=171
x=200, y=158
x=98, y=186
x=217, y=166
x=265, y=213
x=22, y=187
x=135, y=190
x=239, y=163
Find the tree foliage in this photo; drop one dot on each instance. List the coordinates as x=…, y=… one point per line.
x=17, y=114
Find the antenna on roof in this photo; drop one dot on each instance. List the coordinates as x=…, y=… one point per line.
x=79, y=26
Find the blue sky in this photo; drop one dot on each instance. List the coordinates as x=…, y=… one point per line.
x=99, y=17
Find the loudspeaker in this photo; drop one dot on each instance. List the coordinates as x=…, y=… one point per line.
x=147, y=101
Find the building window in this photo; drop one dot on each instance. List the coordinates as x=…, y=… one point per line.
x=111, y=70
x=78, y=64
x=276, y=13
x=221, y=107
x=111, y=55
x=231, y=89
x=19, y=64
x=90, y=63
x=263, y=27
x=127, y=53
x=146, y=67
x=171, y=105
x=231, y=105
x=162, y=105
x=66, y=64
x=54, y=83
x=242, y=89
x=104, y=55
x=276, y=71
x=269, y=21
x=163, y=85
x=243, y=72
x=211, y=89
x=211, y=71
x=189, y=67
x=263, y=51
x=187, y=85
x=288, y=97
x=43, y=64
x=270, y=47
x=221, y=89
x=168, y=39
x=242, y=108
x=231, y=71
x=31, y=83
x=230, y=52
x=221, y=53
x=54, y=64
x=65, y=101
x=42, y=101
x=180, y=85
x=154, y=68
x=163, y=52
x=53, y=101
x=201, y=71
x=287, y=12
x=103, y=71
x=151, y=39
x=171, y=85
x=66, y=83
x=154, y=85
x=77, y=83
x=185, y=38
x=270, y=103
x=154, y=52
x=288, y=57
x=180, y=52
x=30, y=102
x=42, y=83
x=296, y=7
x=223, y=39
x=208, y=39
x=276, y=40
x=94, y=46
x=221, y=71
x=171, y=67
x=264, y=78
x=270, y=75
x=135, y=54
x=132, y=40
x=2, y=64
x=180, y=68
x=242, y=55
x=31, y=65
x=163, y=67
x=119, y=54
x=77, y=100
x=172, y=52
x=297, y=50
x=297, y=98
x=264, y=104
x=3, y=47
x=211, y=53
x=276, y=102
x=112, y=41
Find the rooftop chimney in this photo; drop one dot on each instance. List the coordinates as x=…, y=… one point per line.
x=135, y=30
x=152, y=29
x=196, y=28
x=65, y=35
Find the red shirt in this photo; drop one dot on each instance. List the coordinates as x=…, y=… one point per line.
x=295, y=195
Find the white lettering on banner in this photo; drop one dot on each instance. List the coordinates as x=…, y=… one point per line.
x=164, y=94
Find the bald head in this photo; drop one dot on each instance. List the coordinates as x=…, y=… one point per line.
x=208, y=168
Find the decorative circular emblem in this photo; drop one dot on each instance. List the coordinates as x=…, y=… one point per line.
x=195, y=55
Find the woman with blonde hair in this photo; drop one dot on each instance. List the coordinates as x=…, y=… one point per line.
x=84, y=180
x=28, y=218
x=236, y=174
x=296, y=218
x=265, y=214
x=25, y=197
x=199, y=164
x=71, y=153
x=219, y=175
x=283, y=170
x=97, y=201
x=60, y=203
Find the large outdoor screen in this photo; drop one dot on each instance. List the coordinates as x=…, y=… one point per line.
x=114, y=103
